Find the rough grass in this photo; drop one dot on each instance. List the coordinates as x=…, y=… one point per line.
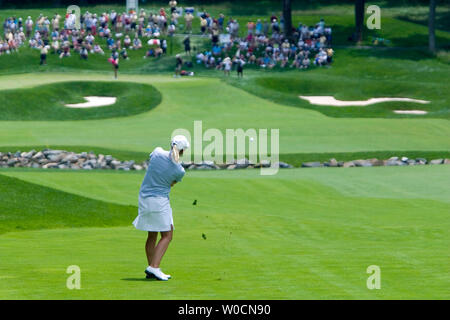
x=47, y=102
x=26, y=206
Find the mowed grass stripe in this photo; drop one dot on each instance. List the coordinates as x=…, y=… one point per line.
x=406, y=182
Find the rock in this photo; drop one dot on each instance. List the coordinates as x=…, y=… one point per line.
x=437, y=161
x=421, y=161
x=284, y=165
x=393, y=158
x=30, y=154
x=231, y=167
x=221, y=166
x=137, y=167
x=377, y=163
x=348, y=164
x=71, y=157
x=49, y=152
x=311, y=164
x=12, y=162
x=204, y=167
x=243, y=161
x=332, y=163
x=404, y=159
x=56, y=157
x=191, y=167
x=362, y=163
x=115, y=164
x=63, y=166
x=38, y=155
x=447, y=161
x=91, y=162
x=265, y=163
x=392, y=162
x=50, y=165
x=207, y=163
x=185, y=164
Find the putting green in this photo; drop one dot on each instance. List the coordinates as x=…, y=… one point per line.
x=219, y=106
x=317, y=246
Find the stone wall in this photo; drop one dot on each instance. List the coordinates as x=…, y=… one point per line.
x=61, y=159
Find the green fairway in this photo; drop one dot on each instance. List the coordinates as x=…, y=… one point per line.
x=220, y=106
x=303, y=233
x=378, y=216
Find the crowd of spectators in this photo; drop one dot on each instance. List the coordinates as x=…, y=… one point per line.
x=262, y=42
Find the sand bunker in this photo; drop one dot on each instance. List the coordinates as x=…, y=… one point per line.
x=410, y=112
x=331, y=101
x=94, y=102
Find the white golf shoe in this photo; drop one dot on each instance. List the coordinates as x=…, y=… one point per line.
x=155, y=272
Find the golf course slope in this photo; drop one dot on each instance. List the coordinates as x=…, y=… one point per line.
x=303, y=234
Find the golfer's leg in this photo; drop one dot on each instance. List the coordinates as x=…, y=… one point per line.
x=161, y=248
x=150, y=246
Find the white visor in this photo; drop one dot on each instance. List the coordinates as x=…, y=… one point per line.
x=180, y=141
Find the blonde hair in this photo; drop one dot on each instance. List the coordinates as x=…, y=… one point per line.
x=175, y=153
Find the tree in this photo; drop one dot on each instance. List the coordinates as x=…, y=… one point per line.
x=287, y=16
x=431, y=27
x=359, y=20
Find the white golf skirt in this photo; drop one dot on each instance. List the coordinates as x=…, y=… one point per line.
x=155, y=214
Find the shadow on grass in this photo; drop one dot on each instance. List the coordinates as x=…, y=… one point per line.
x=139, y=279
x=393, y=53
x=420, y=40
x=442, y=21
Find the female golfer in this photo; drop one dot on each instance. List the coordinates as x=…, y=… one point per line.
x=155, y=213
